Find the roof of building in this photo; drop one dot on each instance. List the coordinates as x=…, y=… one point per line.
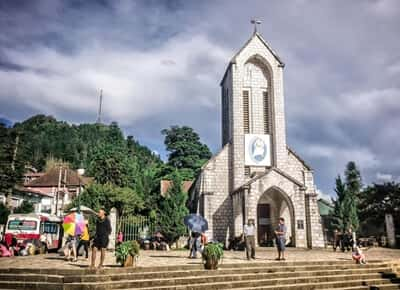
x=298, y=157
x=51, y=178
x=258, y=35
x=34, y=174
x=32, y=191
x=325, y=207
x=167, y=184
x=277, y=170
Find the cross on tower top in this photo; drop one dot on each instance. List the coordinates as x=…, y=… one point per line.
x=255, y=22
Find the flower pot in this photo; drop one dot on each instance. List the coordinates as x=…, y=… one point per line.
x=211, y=264
x=129, y=262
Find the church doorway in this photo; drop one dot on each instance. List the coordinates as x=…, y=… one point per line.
x=272, y=205
x=264, y=228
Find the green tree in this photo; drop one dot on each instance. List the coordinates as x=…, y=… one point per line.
x=96, y=196
x=378, y=200
x=4, y=213
x=186, y=152
x=348, y=196
x=339, y=213
x=11, y=159
x=111, y=164
x=172, y=211
x=353, y=189
x=25, y=207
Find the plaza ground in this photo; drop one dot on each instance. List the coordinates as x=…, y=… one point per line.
x=179, y=257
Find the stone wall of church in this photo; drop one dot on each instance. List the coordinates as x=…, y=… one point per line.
x=316, y=232
x=293, y=193
x=257, y=48
x=217, y=203
x=294, y=167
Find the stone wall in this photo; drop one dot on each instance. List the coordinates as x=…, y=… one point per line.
x=217, y=203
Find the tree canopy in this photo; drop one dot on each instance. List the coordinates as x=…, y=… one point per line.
x=186, y=152
x=172, y=211
x=346, y=203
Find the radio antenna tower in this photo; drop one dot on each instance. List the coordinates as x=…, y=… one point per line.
x=100, y=104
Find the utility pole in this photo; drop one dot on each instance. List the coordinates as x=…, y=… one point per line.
x=58, y=189
x=10, y=190
x=100, y=105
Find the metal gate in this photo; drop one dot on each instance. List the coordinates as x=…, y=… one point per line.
x=136, y=227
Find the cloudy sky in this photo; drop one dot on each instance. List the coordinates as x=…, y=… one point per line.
x=159, y=63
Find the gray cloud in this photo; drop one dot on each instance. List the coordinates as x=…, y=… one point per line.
x=160, y=63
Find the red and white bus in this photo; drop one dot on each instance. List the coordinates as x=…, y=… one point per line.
x=44, y=231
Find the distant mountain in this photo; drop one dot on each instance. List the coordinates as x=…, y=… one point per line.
x=6, y=122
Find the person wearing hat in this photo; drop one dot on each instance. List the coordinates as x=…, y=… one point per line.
x=249, y=233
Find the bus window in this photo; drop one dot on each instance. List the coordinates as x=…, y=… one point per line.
x=22, y=225
x=49, y=228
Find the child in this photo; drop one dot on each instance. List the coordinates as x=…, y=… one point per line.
x=120, y=238
x=358, y=256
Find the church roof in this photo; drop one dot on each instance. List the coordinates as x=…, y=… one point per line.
x=298, y=158
x=258, y=35
x=277, y=170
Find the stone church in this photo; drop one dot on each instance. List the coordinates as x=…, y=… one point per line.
x=256, y=174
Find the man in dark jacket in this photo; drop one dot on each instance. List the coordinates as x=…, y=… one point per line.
x=100, y=242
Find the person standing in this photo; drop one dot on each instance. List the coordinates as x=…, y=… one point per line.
x=70, y=248
x=280, y=234
x=249, y=233
x=100, y=242
x=336, y=240
x=195, y=245
x=84, y=241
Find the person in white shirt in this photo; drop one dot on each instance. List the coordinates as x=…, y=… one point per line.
x=249, y=233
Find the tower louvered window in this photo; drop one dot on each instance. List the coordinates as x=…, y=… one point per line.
x=246, y=121
x=267, y=122
x=225, y=116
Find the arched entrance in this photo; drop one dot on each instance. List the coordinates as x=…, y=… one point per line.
x=272, y=205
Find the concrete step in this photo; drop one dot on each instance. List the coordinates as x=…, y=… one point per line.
x=201, y=274
x=253, y=275
x=273, y=272
x=31, y=285
x=224, y=282
x=199, y=266
x=298, y=286
x=373, y=287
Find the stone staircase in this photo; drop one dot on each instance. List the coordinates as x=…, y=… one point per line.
x=252, y=275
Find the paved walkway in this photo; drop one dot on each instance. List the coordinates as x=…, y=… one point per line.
x=163, y=258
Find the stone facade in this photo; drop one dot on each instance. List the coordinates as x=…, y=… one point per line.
x=227, y=192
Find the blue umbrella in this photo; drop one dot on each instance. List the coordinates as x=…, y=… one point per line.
x=196, y=223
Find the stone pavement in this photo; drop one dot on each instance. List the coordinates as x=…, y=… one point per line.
x=179, y=257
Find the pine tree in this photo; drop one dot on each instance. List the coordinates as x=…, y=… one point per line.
x=339, y=219
x=353, y=187
x=172, y=211
x=346, y=203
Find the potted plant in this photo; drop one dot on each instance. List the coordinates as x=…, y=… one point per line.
x=212, y=254
x=127, y=252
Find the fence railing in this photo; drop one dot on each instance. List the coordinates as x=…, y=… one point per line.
x=135, y=227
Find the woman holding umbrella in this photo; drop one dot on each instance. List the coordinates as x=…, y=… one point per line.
x=197, y=225
x=74, y=225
